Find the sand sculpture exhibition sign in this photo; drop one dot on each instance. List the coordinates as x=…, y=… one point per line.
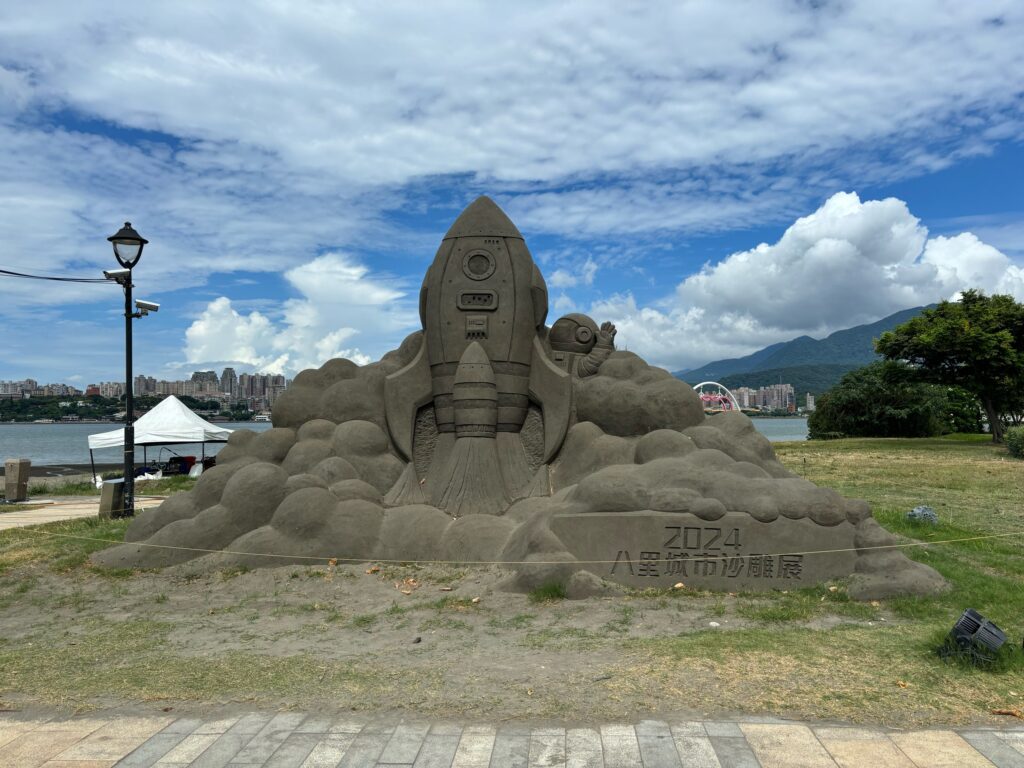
x=490, y=437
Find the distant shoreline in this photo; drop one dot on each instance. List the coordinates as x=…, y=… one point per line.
x=58, y=423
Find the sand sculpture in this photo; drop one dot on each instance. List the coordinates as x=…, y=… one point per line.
x=489, y=437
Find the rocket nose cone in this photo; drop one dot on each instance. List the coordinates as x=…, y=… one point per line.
x=474, y=366
x=483, y=218
x=474, y=355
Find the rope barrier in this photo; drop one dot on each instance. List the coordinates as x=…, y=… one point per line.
x=336, y=560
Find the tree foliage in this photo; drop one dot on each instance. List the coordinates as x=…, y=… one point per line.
x=976, y=343
x=884, y=400
x=1015, y=441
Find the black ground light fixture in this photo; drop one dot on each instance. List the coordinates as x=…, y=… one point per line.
x=973, y=638
x=128, y=245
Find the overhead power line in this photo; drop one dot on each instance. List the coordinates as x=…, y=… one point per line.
x=10, y=273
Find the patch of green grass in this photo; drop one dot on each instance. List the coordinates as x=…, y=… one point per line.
x=784, y=608
x=547, y=593
x=397, y=610
x=69, y=488
x=1009, y=658
x=163, y=487
x=717, y=608
x=160, y=598
x=623, y=622
x=444, y=623
x=76, y=600
x=327, y=612
x=575, y=638
x=801, y=605
x=881, y=674
x=63, y=546
x=234, y=572
x=135, y=660
x=451, y=603
x=519, y=621
x=364, y=620
x=445, y=575
x=967, y=480
x=20, y=507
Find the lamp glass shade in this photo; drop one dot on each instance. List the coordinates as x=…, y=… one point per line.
x=127, y=245
x=127, y=253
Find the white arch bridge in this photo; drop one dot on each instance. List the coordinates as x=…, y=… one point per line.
x=716, y=397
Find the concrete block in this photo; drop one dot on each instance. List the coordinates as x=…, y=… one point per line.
x=16, y=472
x=112, y=499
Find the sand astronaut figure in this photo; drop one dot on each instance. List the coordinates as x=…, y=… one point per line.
x=578, y=346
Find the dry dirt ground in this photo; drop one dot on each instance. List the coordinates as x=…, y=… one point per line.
x=457, y=645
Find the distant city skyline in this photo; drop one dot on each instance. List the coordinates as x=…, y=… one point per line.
x=258, y=390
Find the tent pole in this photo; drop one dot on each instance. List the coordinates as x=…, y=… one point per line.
x=92, y=463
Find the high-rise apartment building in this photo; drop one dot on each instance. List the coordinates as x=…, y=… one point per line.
x=229, y=382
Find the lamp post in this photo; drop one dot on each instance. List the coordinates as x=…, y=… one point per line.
x=128, y=245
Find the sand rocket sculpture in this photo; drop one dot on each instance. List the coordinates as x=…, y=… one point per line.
x=481, y=364
x=487, y=436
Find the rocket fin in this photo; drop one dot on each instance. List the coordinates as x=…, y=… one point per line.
x=405, y=392
x=551, y=389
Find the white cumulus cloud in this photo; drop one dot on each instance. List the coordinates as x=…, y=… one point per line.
x=849, y=262
x=583, y=274
x=343, y=311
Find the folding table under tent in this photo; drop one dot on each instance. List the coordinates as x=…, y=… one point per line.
x=169, y=423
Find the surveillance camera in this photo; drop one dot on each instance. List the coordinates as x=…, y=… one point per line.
x=146, y=306
x=117, y=274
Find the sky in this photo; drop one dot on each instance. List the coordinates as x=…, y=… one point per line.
x=711, y=177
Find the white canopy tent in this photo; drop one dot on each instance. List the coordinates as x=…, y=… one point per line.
x=169, y=423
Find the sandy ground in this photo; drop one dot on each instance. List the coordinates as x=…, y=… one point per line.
x=456, y=645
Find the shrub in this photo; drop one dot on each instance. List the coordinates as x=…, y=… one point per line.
x=1015, y=441
x=877, y=401
x=883, y=399
x=548, y=592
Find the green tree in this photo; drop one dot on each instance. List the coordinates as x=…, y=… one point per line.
x=881, y=400
x=976, y=343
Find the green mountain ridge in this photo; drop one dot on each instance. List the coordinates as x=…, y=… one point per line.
x=810, y=365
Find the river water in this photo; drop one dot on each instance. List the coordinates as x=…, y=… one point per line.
x=779, y=430
x=48, y=444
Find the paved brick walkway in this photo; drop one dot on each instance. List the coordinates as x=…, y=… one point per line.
x=298, y=740
x=67, y=508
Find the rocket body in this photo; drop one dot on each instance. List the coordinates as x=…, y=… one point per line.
x=483, y=287
x=480, y=367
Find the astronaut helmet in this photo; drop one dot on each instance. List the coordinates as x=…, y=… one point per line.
x=573, y=333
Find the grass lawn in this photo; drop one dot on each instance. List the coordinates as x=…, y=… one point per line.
x=164, y=486
x=72, y=634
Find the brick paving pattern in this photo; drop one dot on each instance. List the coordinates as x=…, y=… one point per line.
x=296, y=740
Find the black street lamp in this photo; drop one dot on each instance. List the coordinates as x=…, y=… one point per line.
x=128, y=245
